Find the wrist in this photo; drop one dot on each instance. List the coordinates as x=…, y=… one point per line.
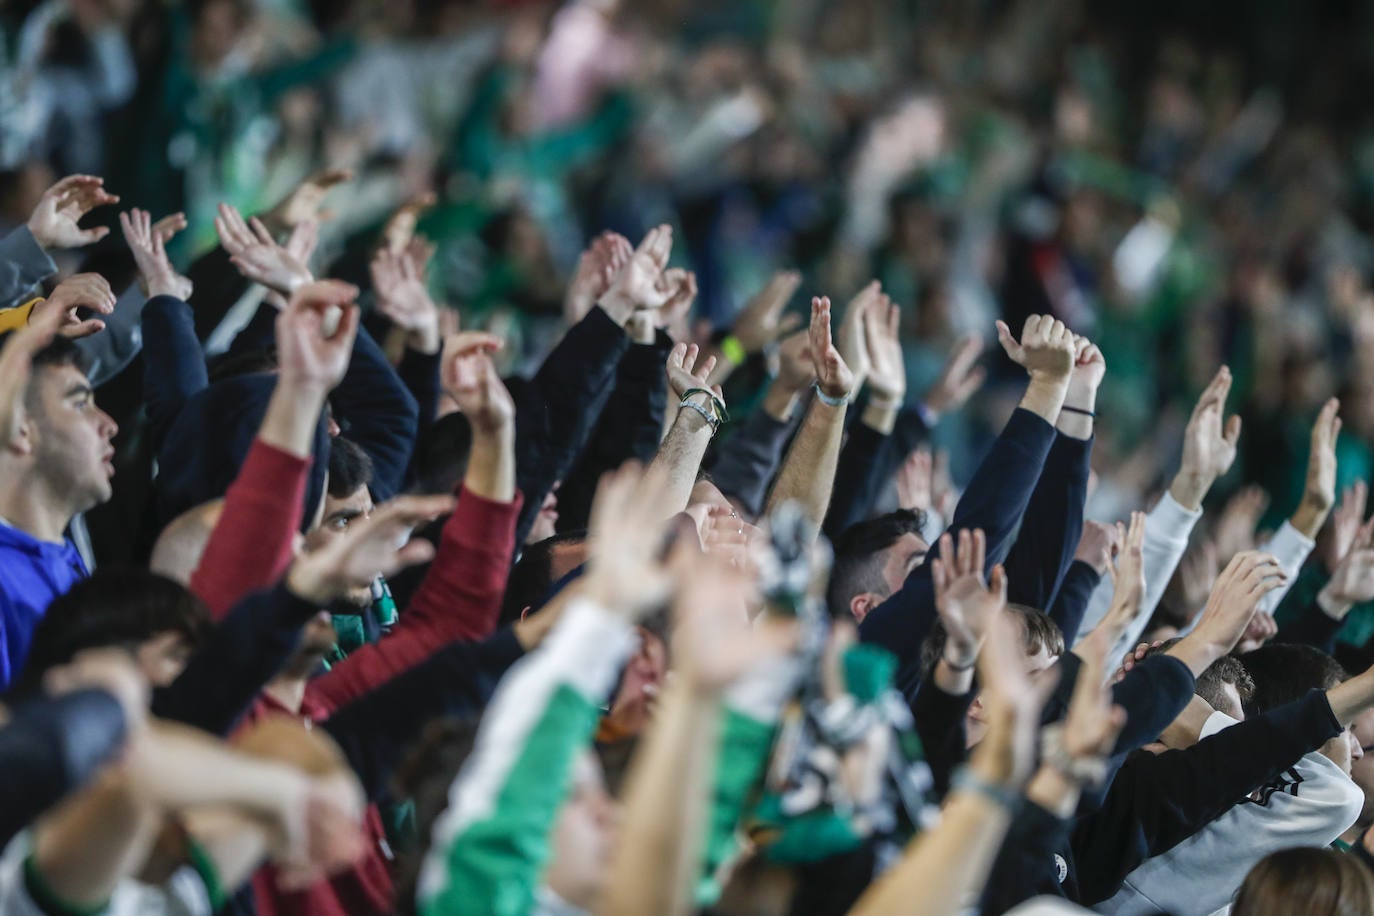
x=831, y=396
x=880, y=418
x=307, y=585
x=41, y=240
x=620, y=307
x=1310, y=516
x=425, y=339
x=1189, y=488
x=1331, y=606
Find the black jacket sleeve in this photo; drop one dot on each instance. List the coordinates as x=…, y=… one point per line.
x=1153, y=693
x=376, y=730
x=1026, y=866
x=52, y=746
x=379, y=414
x=173, y=364
x=245, y=651
x=1071, y=603
x=868, y=462
x=1053, y=524
x=630, y=426
x=994, y=501
x=939, y=720
x=556, y=411
x=1159, y=800
x=750, y=457
x=1313, y=627
x=419, y=372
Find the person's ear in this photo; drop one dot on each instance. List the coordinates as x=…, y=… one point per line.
x=861, y=604
x=525, y=613
x=24, y=433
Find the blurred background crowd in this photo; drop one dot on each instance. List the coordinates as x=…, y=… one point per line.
x=1188, y=184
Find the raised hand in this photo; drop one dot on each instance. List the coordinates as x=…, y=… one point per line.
x=89, y=291
x=625, y=537
x=403, y=296
x=761, y=321
x=1046, y=349
x=1209, y=447
x=851, y=340
x=682, y=286
x=1197, y=573
x=1236, y=527
x=1345, y=524
x=400, y=226
x=796, y=371
x=967, y=604
x=1128, y=577
x=959, y=380
x=1352, y=581
x=598, y=266
x=1232, y=604
x=639, y=284
x=1098, y=544
x=685, y=374
x=55, y=222
x=1260, y=629
x=303, y=203
x=156, y=276
x=309, y=355
x=916, y=481
x=470, y=378
x=16, y=365
x=887, y=365
x=1078, y=747
x=833, y=375
x=378, y=545
x=1319, y=492
x=1012, y=701
x=257, y=255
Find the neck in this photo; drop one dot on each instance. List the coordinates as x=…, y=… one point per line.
x=288, y=690
x=27, y=505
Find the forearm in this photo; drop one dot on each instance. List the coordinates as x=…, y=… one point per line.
x=808, y=472
x=1045, y=398
x=1071, y=603
x=1310, y=516
x=1053, y=525
x=679, y=457
x=292, y=415
x=665, y=807
x=1352, y=697
x=491, y=464
x=863, y=469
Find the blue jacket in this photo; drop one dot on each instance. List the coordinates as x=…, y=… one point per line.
x=32, y=574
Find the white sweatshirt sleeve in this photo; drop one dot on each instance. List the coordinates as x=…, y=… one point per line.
x=1167, y=529
x=1291, y=548
x=1310, y=804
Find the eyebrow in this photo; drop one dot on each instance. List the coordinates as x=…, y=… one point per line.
x=80, y=388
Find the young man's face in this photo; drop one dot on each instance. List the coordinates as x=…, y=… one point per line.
x=975, y=724
x=339, y=513
x=902, y=557
x=71, y=437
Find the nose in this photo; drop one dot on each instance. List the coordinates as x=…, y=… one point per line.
x=108, y=426
x=1356, y=750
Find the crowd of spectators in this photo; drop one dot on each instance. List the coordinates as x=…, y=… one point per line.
x=739, y=456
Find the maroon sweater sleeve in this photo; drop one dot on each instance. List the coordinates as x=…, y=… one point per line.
x=251, y=546
x=459, y=601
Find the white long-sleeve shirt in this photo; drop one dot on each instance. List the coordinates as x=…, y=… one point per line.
x=1310, y=804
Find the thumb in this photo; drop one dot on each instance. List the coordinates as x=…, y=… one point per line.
x=1232, y=434
x=82, y=329
x=1008, y=342
x=790, y=322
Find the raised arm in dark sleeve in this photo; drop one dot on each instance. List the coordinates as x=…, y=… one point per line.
x=750, y=457
x=994, y=501
x=1054, y=522
x=1312, y=627
x=939, y=718
x=1153, y=693
x=375, y=731
x=557, y=410
x=1159, y=800
x=244, y=651
x=867, y=465
x=173, y=364
x=1071, y=603
x=379, y=414
x=53, y=746
x=630, y=426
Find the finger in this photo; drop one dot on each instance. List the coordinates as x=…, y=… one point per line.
x=704, y=372
x=789, y=323
x=937, y=576
x=1215, y=392
x=89, y=236
x=82, y=329
x=997, y=583
x=1008, y=342
x=689, y=359
x=965, y=561
x=980, y=550
x=1232, y=433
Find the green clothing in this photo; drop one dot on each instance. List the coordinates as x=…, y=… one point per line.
x=491, y=845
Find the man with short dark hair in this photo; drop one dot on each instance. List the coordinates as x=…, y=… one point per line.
x=873, y=559
x=57, y=460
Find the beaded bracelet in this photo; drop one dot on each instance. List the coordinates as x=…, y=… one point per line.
x=722, y=415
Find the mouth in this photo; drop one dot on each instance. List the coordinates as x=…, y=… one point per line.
x=107, y=462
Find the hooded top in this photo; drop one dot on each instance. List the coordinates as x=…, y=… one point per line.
x=32, y=574
x=207, y=443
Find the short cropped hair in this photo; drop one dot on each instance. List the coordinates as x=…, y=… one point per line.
x=1283, y=673
x=1038, y=628
x=858, y=564
x=1211, y=684
x=115, y=607
x=349, y=467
